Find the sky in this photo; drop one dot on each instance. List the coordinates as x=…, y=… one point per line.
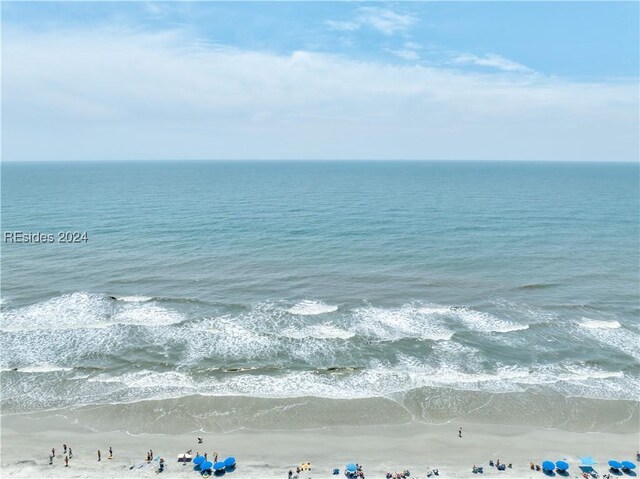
x=320, y=80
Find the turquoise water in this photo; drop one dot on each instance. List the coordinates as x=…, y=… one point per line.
x=351, y=280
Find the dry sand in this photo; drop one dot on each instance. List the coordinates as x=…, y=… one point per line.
x=26, y=444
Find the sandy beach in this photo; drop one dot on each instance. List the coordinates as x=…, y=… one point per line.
x=26, y=444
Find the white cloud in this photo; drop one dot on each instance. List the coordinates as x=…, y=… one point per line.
x=383, y=20
x=491, y=61
x=105, y=94
x=343, y=26
x=405, y=54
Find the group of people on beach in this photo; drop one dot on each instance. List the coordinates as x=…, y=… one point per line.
x=68, y=454
x=500, y=466
x=110, y=454
x=398, y=475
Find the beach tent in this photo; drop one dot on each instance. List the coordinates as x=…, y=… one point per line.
x=628, y=465
x=587, y=461
x=548, y=466
x=198, y=460
x=613, y=464
x=562, y=465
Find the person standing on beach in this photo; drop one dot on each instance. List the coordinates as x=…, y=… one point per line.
x=64, y=448
x=110, y=453
x=66, y=461
x=50, y=459
x=53, y=452
x=460, y=432
x=99, y=456
x=70, y=453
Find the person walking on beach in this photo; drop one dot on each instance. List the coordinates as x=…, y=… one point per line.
x=50, y=459
x=64, y=448
x=53, y=452
x=460, y=432
x=110, y=453
x=99, y=456
x=66, y=461
x=151, y=454
x=70, y=453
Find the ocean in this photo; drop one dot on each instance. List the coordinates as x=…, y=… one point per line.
x=222, y=295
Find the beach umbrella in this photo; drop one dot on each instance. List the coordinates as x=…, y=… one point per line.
x=230, y=461
x=628, y=465
x=587, y=461
x=614, y=464
x=548, y=466
x=562, y=465
x=218, y=465
x=352, y=468
x=198, y=460
x=206, y=465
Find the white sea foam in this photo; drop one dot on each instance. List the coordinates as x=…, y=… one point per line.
x=318, y=331
x=474, y=320
x=598, y=324
x=146, y=315
x=148, y=379
x=134, y=299
x=311, y=308
x=85, y=311
x=397, y=323
x=611, y=334
x=43, y=368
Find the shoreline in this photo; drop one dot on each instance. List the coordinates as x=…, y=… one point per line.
x=436, y=406
x=263, y=454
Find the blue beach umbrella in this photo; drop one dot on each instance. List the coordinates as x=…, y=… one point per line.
x=352, y=468
x=587, y=461
x=206, y=465
x=614, y=464
x=562, y=465
x=218, y=465
x=548, y=466
x=198, y=460
x=230, y=461
x=628, y=465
